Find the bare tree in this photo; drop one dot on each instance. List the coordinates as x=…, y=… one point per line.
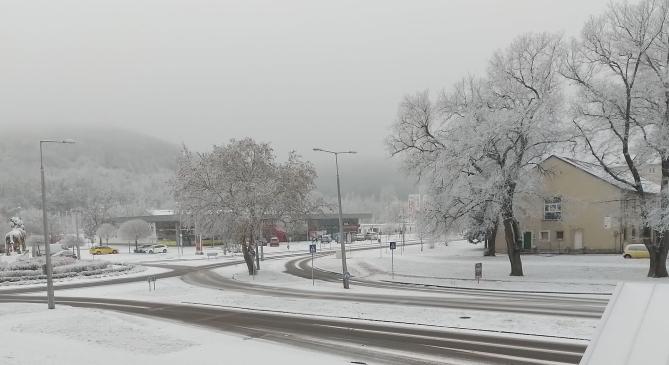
x=239, y=186
x=476, y=143
x=106, y=231
x=134, y=229
x=610, y=68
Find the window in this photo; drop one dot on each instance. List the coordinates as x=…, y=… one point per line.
x=553, y=209
x=545, y=235
x=633, y=232
x=559, y=235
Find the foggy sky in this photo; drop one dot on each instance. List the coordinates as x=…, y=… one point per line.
x=298, y=74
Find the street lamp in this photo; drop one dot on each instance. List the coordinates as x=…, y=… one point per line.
x=47, y=247
x=341, y=220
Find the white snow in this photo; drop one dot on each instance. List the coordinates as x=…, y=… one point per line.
x=175, y=290
x=32, y=334
x=453, y=265
x=634, y=324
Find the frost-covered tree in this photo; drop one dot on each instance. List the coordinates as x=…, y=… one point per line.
x=106, y=231
x=656, y=126
x=240, y=186
x=134, y=229
x=475, y=144
x=618, y=69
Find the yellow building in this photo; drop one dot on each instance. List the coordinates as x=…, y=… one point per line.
x=578, y=208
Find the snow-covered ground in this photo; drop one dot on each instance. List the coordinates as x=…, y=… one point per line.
x=175, y=290
x=188, y=257
x=453, y=265
x=32, y=334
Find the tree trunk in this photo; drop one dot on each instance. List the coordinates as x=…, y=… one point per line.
x=511, y=230
x=658, y=249
x=248, y=258
x=491, y=238
x=136, y=245
x=512, y=245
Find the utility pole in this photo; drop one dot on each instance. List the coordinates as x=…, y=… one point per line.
x=76, y=227
x=47, y=242
x=342, y=242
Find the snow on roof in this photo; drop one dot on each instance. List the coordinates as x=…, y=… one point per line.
x=160, y=212
x=634, y=327
x=599, y=172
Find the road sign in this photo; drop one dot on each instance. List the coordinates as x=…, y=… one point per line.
x=478, y=271
x=393, y=245
x=312, y=250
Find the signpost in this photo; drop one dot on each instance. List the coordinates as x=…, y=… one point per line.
x=393, y=246
x=478, y=271
x=312, y=250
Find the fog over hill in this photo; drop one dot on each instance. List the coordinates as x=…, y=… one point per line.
x=109, y=148
x=135, y=170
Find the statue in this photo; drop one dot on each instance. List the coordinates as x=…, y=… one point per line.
x=15, y=240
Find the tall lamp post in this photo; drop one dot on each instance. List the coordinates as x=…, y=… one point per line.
x=47, y=247
x=341, y=220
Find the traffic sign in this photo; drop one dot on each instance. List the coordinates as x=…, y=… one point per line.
x=478, y=271
x=312, y=248
x=393, y=245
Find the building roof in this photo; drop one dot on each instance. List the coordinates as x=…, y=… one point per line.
x=597, y=171
x=160, y=211
x=175, y=217
x=633, y=328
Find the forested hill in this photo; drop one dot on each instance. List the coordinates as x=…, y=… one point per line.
x=103, y=147
x=105, y=166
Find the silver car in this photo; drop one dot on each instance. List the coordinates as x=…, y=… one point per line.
x=158, y=249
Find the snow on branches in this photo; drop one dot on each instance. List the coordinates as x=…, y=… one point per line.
x=474, y=144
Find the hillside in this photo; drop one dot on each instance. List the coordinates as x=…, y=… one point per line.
x=103, y=147
x=130, y=170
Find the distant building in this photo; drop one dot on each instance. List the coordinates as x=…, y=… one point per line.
x=318, y=224
x=166, y=226
x=580, y=208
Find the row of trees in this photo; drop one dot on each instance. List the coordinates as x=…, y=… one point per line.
x=233, y=190
x=606, y=93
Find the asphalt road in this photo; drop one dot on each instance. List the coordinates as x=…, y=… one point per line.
x=360, y=341
x=354, y=340
x=589, y=305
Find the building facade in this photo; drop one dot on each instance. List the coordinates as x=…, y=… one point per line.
x=578, y=208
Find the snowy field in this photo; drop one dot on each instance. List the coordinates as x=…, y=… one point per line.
x=175, y=290
x=32, y=334
x=453, y=265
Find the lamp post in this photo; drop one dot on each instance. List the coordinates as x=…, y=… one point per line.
x=341, y=220
x=47, y=247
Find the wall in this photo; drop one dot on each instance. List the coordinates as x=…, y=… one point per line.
x=586, y=201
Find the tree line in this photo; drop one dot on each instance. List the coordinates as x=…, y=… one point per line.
x=604, y=94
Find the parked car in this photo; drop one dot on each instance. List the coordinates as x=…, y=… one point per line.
x=371, y=236
x=325, y=238
x=158, y=249
x=636, y=251
x=65, y=253
x=143, y=249
x=359, y=237
x=102, y=250
x=274, y=242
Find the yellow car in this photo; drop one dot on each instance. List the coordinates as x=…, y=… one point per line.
x=636, y=251
x=102, y=250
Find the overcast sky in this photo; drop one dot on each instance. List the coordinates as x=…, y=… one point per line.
x=298, y=74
